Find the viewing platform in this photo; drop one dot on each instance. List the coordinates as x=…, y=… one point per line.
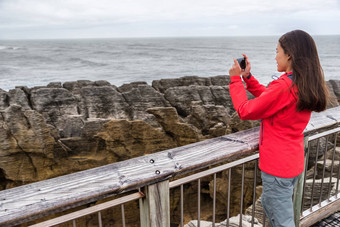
x=154, y=185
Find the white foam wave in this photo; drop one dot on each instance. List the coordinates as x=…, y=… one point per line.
x=9, y=48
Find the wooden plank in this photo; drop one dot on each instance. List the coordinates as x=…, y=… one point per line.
x=39, y=199
x=322, y=212
x=218, y=149
x=212, y=171
x=90, y=210
x=298, y=189
x=159, y=201
x=324, y=119
x=155, y=205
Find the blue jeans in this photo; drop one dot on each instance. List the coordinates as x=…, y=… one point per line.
x=277, y=201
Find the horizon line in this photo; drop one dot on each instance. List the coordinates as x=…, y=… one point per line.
x=155, y=37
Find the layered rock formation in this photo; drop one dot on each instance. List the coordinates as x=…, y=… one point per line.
x=62, y=128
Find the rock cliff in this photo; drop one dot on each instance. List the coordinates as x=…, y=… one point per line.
x=62, y=128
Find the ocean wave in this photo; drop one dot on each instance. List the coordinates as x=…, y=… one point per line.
x=86, y=62
x=99, y=52
x=9, y=48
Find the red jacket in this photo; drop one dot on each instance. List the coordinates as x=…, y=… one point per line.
x=281, y=132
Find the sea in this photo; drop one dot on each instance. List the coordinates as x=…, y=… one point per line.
x=34, y=63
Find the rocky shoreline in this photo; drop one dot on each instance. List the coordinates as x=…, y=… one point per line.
x=59, y=129
x=62, y=128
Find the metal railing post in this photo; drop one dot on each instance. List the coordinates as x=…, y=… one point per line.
x=298, y=190
x=155, y=206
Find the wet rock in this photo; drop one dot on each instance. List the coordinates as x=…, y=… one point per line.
x=336, y=88
x=211, y=119
x=128, y=87
x=54, y=85
x=182, y=133
x=129, y=139
x=87, y=145
x=73, y=126
x=75, y=87
x=236, y=124
x=26, y=145
x=3, y=100
x=101, y=83
x=317, y=149
x=140, y=97
x=18, y=97
x=28, y=131
x=182, y=97
x=334, y=99
x=92, y=126
x=222, y=80
x=54, y=104
x=164, y=84
x=104, y=102
x=222, y=97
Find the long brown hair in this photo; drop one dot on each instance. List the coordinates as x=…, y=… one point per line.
x=308, y=75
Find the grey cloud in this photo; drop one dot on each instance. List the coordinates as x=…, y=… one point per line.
x=161, y=18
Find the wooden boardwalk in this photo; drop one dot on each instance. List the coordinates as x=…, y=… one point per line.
x=332, y=220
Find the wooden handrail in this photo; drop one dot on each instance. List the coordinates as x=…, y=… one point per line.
x=32, y=201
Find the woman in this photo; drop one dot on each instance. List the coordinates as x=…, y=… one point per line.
x=284, y=108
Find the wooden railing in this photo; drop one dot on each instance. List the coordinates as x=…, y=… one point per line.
x=152, y=172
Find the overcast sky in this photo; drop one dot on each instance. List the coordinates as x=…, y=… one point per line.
x=31, y=19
